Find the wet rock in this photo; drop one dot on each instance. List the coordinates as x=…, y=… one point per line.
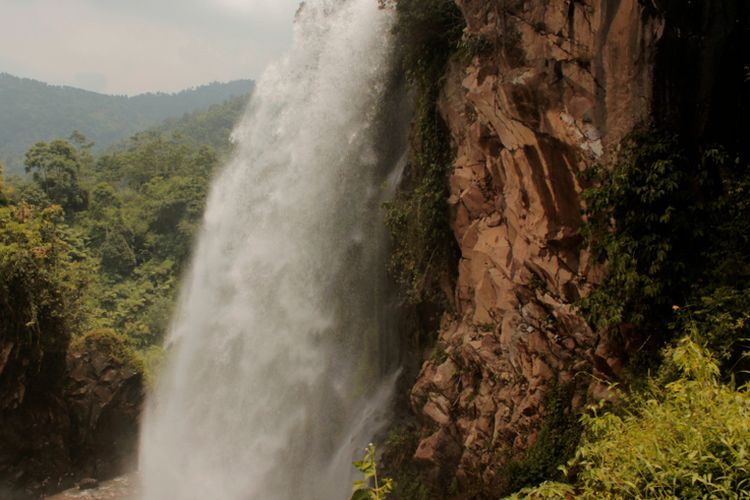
x=119, y=488
x=87, y=483
x=84, y=426
x=104, y=396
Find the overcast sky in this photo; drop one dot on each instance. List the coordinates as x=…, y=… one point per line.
x=134, y=46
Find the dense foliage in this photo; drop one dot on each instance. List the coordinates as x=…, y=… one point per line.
x=425, y=251
x=142, y=207
x=92, y=248
x=31, y=111
x=674, y=229
x=114, y=345
x=55, y=169
x=44, y=279
x=671, y=221
x=211, y=127
x=146, y=202
x=555, y=443
x=688, y=438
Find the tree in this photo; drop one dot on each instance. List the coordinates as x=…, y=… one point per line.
x=3, y=196
x=55, y=167
x=109, y=236
x=43, y=287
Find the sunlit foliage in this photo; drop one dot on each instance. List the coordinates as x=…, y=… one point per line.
x=689, y=438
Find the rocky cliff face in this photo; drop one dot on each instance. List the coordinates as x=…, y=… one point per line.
x=553, y=88
x=84, y=425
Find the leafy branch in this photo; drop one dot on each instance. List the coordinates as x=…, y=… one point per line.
x=369, y=487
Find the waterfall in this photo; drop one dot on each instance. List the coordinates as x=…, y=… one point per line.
x=277, y=373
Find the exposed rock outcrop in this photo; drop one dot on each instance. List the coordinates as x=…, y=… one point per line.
x=552, y=88
x=83, y=426
x=104, y=396
x=555, y=88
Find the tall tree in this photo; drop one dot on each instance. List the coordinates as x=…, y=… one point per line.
x=56, y=168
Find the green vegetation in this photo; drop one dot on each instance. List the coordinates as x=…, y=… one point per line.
x=674, y=229
x=31, y=111
x=423, y=259
x=427, y=34
x=55, y=169
x=424, y=255
x=398, y=450
x=370, y=487
x=136, y=211
x=44, y=279
x=211, y=127
x=91, y=248
x=555, y=444
x=117, y=346
x=671, y=221
x=689, y=438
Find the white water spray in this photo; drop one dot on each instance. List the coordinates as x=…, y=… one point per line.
x=276, y=376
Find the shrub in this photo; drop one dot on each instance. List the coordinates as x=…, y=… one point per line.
x=398, y=451
x=688, y=439
x=719, y=317
x=44, y=281
x=113, y=345
x=555, y=444
x=674, y=229
x=639, y=218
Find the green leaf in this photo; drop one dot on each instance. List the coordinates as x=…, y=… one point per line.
x=361, y=494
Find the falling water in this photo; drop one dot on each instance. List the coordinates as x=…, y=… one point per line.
x=277, y=374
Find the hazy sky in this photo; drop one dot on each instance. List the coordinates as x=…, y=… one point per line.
x=133, y=46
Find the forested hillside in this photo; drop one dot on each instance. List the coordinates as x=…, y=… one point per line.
x=212, y=126
x=91, y=250
x=31, y=111
x=133, y=212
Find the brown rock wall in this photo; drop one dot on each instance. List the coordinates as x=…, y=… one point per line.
x=84, y=426
x=556, y=86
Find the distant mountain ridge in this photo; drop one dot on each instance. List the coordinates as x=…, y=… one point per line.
x=32, y=111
